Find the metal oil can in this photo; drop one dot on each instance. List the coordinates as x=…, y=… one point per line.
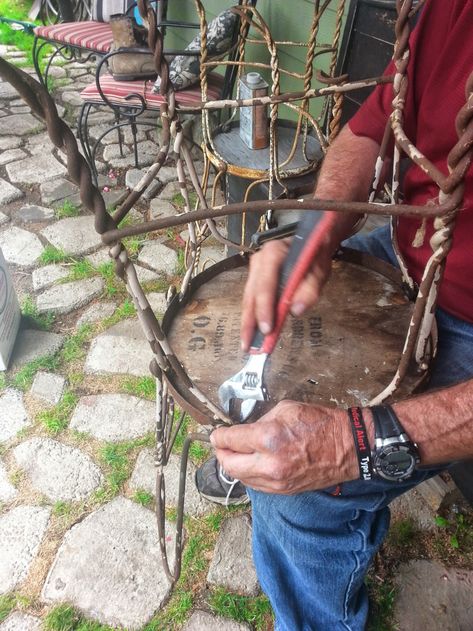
x=254, y=119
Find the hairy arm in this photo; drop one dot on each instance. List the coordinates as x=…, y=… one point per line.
x=345, y=175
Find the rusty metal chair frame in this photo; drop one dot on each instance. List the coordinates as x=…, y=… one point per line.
x=279, y=171
x=172, y=379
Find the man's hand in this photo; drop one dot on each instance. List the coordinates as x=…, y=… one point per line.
x=259, y=296
x=293, y=448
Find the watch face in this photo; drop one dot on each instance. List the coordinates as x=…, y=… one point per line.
x=396, y=462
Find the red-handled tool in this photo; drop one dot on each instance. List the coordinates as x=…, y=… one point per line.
x=247, y=386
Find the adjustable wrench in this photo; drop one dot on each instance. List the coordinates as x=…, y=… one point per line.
x=247, y=385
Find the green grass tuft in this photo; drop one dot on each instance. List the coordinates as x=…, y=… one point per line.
x=255, y=611
x=74, y=346
x=113, y=284
x=66, y=618
x=144, y=387
x=7, y=603
x=62, y=509
x=24, y=377
x=50, y=255
x=29, y=310
x=116, y=457
x=382, y=596
x=143, y=497
x=66, y=209
x=79, y=270
x=57, y=418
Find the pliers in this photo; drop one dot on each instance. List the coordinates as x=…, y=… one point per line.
x=247, y=385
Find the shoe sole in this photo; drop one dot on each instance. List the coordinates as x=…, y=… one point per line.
x=233, y=501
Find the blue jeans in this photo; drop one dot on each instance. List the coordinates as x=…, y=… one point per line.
x=312, y=550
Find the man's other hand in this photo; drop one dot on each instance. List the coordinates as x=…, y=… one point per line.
x=293, y=448
x=259, y=297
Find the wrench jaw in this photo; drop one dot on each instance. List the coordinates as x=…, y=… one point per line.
x=246, y=386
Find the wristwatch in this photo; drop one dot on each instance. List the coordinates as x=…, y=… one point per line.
x=395, y=456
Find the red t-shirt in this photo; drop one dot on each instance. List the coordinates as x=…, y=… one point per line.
x=441, y=61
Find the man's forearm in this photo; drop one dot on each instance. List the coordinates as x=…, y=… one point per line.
x=346, y=174
x=440, y=422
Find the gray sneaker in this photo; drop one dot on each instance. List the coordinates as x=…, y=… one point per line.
x=216, y=486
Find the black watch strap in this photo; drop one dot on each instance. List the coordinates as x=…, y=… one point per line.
x=386, y=423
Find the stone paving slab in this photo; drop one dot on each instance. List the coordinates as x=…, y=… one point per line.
x=144, y=477
x=48, y=387
x=203, y=621
x=3, y=218
x=109, y=566
x=31, y=213
x=35, y=169
x=133, y=178
x=19, y=124
x=157, y=301
x=9, y=193
x=7, y=91
x=73, y=235
x=159, y=257
x=9, y=142
x=19, y=621
x=232, y=563
x=21, y=532
x=32, y=344
x=114, y=417
x=20, y=247
x=433, y=597
x=160, y=208
x=68, y=297
x=13, y=414
x=122, y=349
x=11, y=155
x=145, y=275
x=43, y=277
x=7, y=490
x=57, y=190
x=57, y=470
x=96, y=312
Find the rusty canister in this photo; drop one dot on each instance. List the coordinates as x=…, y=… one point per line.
x=254, y=119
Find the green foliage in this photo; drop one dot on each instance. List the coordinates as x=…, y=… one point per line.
x=134, y=243
x=179, y=201
x=181, y=262
x=29, y=310
x=62, y=509
x=116, y=457
x=198, y=452
x=214, y=521
x=382, y=596
x=12, y=37
x=402, y=532
x=66, y=618
x=113, y=284
x=3, y=381
x=57, y=418
x=24, y=377
x=67, y=209
x=175, y=614
x=255, y=611
x=459, y=528
x=143, y=497
x=50, y=254
x=74, y=346
x=7, y=603
x=79, y=270
x=144, y=387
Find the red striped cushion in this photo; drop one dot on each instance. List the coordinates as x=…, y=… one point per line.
x=90, y=35
x=116, y=91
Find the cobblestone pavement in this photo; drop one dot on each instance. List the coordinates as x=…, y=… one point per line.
x=76, y=409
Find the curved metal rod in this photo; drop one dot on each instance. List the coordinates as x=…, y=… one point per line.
x=173, y=574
